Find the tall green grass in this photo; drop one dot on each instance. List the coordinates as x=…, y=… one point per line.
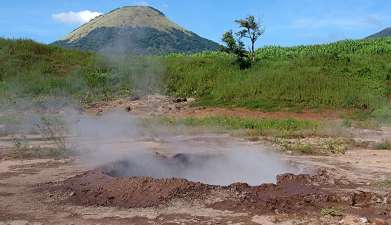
x=342, y=75
x=32, y=70
x=349, y=74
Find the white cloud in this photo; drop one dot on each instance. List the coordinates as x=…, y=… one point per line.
x=75, y=17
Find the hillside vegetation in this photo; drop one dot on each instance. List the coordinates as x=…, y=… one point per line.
x=35, y=71
x=343, y=75
x=347, y=74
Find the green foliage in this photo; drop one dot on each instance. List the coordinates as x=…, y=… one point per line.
x=237, y=48
x=251, y=30
x=32, y=70
x=349, y=74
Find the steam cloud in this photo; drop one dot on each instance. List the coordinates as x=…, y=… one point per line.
x=209, y=158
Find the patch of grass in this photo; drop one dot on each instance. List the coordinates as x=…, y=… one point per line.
x=384, y=184
x=362, y=119
x=38, y=153
x=385, y=145
x=334, y=146
x=314, y=146
x=253, y=126
x=299, y=147
x=331, y=212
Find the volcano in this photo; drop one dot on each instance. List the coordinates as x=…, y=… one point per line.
x=135, y=30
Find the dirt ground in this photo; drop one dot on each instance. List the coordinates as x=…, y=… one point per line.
x=353, y=188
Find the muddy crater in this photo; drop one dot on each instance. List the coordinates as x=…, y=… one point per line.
x=216, y=168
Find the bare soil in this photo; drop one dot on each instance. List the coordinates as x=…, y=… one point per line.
x=163, y=105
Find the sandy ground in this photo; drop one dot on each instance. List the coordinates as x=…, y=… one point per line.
x=21, y=204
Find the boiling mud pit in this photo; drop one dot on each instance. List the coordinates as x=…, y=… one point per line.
x=127, y=149
x=215, y=167
x=136, y=167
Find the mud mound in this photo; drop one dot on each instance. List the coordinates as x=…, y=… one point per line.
x=295, y=193
x=98, y=189
x=292, y=194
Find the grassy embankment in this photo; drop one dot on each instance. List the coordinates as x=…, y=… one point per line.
x=348, y=75
x=33, y=71
x=352, y=75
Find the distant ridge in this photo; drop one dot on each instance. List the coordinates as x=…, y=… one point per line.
x=135, y=29
x=384, y=33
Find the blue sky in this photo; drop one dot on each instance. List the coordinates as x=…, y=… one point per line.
x=287, y=22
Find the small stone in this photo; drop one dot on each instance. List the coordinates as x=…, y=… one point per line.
x=190, y=99
x=72, y=194
x=134, y=98
x=363, y=220
x=379, y=221
x=179, y=100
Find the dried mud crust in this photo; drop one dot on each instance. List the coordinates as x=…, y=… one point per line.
x=292, y=194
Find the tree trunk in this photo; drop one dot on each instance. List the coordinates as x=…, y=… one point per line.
x=253, y=50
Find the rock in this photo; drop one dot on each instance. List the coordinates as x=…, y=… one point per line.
x=378, y=221
x=134, y=98
x=190, y=99
x=349, y=220
x=363, y=220
x=179, y=100
x=128, y=109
